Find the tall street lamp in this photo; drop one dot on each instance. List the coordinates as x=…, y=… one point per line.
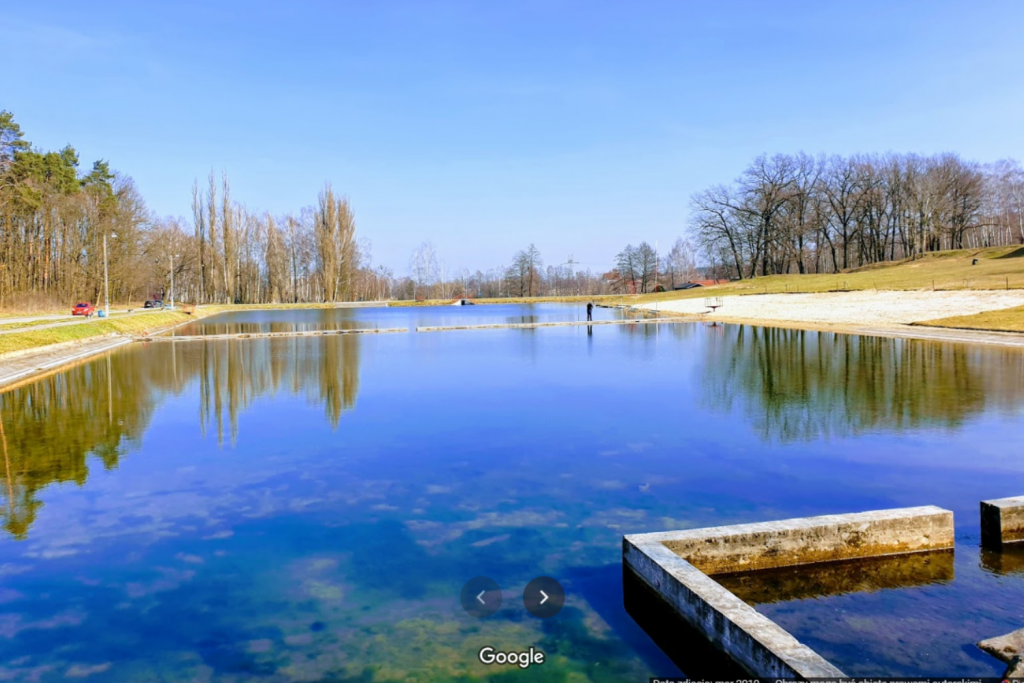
x=106, y=277
x=172, y=257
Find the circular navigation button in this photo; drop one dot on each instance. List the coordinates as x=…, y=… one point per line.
x=481, y=597
x=544, y=597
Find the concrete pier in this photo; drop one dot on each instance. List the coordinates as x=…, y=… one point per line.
x=560, y=323
x=272, y=335
x=1002, y=521
x=676, y=564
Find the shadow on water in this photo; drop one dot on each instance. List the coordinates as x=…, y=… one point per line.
x=684, y=645
x=102, y=408
x=799, y=385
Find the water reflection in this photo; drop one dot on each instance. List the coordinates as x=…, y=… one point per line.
x=101, y=408
x=840, y=578
x=802, y=385
x=232, y=374
x=1009, y=560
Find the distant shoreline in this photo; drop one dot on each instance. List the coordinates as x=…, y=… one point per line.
x=880, y=314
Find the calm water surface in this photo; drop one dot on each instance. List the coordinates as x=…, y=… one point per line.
x=308, y=509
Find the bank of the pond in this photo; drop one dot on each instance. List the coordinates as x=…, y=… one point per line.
x=47, y=345
x=37, y=351
x=917, y=315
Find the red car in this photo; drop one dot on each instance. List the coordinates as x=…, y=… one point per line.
x=83, y=309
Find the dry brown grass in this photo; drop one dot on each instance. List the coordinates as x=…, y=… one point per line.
x=1006, y=320
x=997, y=268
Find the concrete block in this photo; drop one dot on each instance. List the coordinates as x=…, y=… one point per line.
x=676, y=564
x=1002, y=521
x=786, y=543
x=752, y=640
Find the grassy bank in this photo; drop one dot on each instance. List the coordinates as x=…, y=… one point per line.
x=997, y=268
x=130, y=324
x=151, y=322
x=1006, y=320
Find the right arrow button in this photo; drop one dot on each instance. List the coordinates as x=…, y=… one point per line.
x=544, y=597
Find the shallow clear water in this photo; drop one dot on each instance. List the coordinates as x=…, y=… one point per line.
x=309, y=509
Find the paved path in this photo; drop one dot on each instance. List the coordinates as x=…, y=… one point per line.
x=33, y=318
x=62, y=320
x=77, y=320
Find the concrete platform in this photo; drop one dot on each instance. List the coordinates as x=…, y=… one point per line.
x=271, y=335
x=676, y=565
x=1002, y=521
x=560, y=323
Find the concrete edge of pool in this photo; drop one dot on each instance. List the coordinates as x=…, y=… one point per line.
x=1002, y=521
x=677, y=566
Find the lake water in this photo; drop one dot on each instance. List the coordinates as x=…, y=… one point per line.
x=309, y=509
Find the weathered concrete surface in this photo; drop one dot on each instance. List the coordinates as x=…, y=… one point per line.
x=745, y=547
x=671, y=564
x=752, y=640
x=559, y=323
x=1005, y=648
x=265, y=335
x=29, y=365
x=824, y=579
x=1002, y=521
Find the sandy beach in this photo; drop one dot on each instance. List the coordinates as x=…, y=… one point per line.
x=875, y=308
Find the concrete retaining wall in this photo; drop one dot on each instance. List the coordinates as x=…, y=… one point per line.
x=745, y=547
x=1002, y=521
x=671, y=564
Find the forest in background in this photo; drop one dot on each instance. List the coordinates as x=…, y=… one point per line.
x=783, y=214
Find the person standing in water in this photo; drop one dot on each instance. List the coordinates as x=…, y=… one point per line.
x=590, y=311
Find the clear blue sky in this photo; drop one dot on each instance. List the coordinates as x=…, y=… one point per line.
x=484, y=126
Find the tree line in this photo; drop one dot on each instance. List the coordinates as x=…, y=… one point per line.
x=783, y=214
x=55, y=219
x=801, y=214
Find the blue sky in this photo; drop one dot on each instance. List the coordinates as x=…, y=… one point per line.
x=485, y=126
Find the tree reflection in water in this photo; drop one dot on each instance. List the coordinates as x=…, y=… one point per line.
x=102, y=407
x=802, y=385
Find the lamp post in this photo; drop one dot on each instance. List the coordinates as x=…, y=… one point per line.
x=172, y=257
x=106, y=277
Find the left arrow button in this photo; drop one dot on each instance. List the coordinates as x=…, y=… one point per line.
x=481, y=597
